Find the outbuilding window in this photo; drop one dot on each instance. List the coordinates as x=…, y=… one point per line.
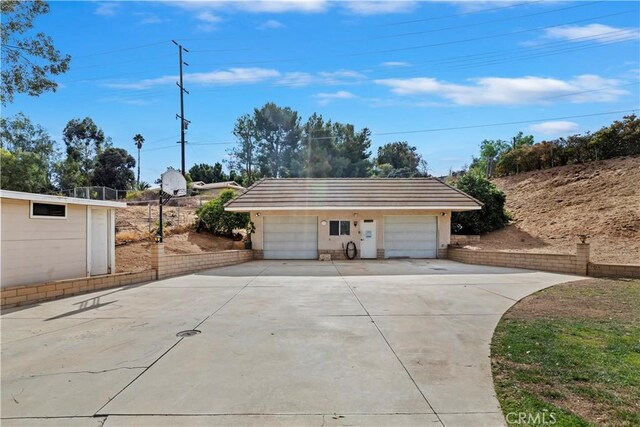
x=48, y=210
x=339, y=228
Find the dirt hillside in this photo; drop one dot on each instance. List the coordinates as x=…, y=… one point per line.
x=552, y=206
x=136, y=227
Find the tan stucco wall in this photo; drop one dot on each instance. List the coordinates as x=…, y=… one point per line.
x=43, y=249
x=326, y=242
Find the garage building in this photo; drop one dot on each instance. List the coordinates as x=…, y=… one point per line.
x=45, y=238
x=300, y=218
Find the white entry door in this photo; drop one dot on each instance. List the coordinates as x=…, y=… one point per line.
x=290, y=237
x=410, y=236
x=99, y=242
x=368, y=247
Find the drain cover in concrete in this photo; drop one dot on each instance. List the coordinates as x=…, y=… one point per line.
x=188, y=333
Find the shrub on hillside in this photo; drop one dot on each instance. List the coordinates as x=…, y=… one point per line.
x=215, y=219
x=491, y=217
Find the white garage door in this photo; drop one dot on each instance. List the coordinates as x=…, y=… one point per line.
x=410, y=236
x=290, y=237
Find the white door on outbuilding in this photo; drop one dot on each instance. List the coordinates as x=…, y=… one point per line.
x=290, y=237
x=99, y=241
x=410, y=236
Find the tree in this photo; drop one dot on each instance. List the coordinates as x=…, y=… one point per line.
x=403, y=159
x=277, y=132
x=139, y=140
x=201, y=172
x=207, y=173
x=243, y=156
x=490, y=152
x=354, y=148
x=491, y=217
x=84, y=140
x=23, y=171
x=218, y=221
x=114, y=169
x=32, y=152
x=319, y=156
x=28, y=63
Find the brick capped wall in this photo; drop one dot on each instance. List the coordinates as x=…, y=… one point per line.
x=31, y=294
x=556, y=263
x=176, y=265
x=614, y=270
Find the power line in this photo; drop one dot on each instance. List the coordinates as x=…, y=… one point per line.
x=107, y=52
x=501, y=124
x=435, y=18
x=475, y=24
x=490, y=36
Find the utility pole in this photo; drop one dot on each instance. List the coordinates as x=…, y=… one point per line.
x=183, y=122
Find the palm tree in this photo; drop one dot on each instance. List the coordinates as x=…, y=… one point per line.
x=139, y=140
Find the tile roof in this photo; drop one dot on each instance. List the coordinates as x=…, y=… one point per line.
x=352, y=193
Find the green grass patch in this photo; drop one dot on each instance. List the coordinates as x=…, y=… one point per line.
x=580, y=363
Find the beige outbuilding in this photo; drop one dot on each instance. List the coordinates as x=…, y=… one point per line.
x=45, y=238
x=384, y=217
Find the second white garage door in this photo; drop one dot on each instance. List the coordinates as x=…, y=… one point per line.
x=410, y=236
x=290, y=237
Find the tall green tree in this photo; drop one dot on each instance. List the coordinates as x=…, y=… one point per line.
x=114, y=169
x=139, y=140
x=319, y=157
x=29, y=155
x=278, y=132
x=243, y=155
x=84, y=140
x=207, y=173
x=402, y=159
x=354, y=148
x=28, y=62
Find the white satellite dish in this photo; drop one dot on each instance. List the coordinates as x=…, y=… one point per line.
x=174, y=183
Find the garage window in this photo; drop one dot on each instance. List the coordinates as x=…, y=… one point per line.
x=339, y=228
x=48, y=210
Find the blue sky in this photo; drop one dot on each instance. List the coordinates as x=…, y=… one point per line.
x=394, y=67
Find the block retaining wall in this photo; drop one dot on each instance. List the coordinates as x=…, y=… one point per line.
x=163, y=266
x=176, y=265
x=556, y=263
x=614, y=270
x=31, y=294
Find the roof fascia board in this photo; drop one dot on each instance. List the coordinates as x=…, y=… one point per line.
x=18, y=195
x=350, y=208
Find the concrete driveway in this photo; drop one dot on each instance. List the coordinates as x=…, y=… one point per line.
x=293, y=343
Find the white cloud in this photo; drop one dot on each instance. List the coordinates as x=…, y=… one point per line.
x=147, y=18
x=208, y=17
x=379, y=7
x=392, y=64
x=554, y=128
x=510, y=91
x=259, y=6
x=271, y=24
x=340, y=77
x=296, y=79
x=250, y=75
x=222, y=77
x=596, y=32
x=107, y=9
x=326, y=98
